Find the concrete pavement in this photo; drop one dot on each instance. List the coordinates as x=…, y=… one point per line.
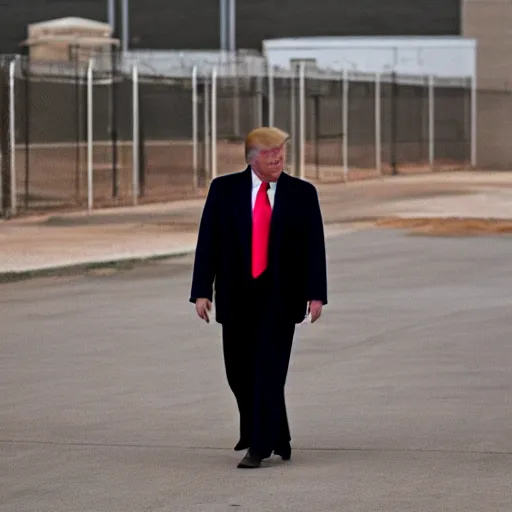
x=113, y=397
x=33, y=244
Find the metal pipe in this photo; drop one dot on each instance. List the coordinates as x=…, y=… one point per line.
x=271, y=95
x=195, y=138
x=90, y=192
x=126, y=25
x=345, y=123
x=136, y=135
x=206, y=128
x=431, y=123
x=378, y=124
x=214, y=125
x=12, y=136
x=111, y=13
x=302, y=120
x=474, y=121
x=113, y=126
x=223, y=14
x=293, y=121
x=232, y=26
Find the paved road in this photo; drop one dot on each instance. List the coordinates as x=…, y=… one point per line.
x=113, y=398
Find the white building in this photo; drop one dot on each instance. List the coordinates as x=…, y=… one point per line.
x=453, y=57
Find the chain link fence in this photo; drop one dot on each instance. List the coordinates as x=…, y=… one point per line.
x=87, y=137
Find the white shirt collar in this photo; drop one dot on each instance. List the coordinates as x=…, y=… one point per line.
x=256, y=182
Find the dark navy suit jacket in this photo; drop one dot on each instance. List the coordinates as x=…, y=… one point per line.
x=297, y=258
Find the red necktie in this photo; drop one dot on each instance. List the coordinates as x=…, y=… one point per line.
x=261, y=217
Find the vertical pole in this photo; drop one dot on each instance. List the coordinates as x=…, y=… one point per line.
x=431, y=123
x=113, y=124
x=126, y=23
x=12, y=136
x=345, y=107
x=259, y=100
x=90, y=191
x=394, y=122
x=316, y=114
x=302, y=121
x=378, y=124
x=28, y=115
x=232, y=26
x=236, y=98
x=271, y=95
x=136, y=135
x=112, y=15
x=5, y=174
x=474, y=114
x=195, y=138
x=78, y=124
x=223, y=11
x=293, y=122
x=142, y=146
x=4, y=140
x=234, y=66
x=207, y=127
x=214, y=125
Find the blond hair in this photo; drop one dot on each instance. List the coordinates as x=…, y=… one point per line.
x=263, y=138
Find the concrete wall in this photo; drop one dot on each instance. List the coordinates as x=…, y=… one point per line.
x=194, y=24
x=490, y=23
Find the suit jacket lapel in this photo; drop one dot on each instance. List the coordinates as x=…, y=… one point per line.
x=278, y=214
x=244, y=218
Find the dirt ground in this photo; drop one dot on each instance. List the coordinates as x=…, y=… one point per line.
x=449, y=226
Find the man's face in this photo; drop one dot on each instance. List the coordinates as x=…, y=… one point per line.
x=268, y=164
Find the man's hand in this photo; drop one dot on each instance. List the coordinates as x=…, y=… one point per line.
x=315, y=309
x=203, y=306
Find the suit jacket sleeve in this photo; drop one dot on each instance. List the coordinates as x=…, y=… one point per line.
x=206, y=256
x=316, y=273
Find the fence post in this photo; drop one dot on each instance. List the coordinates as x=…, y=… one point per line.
x=12, y=136
x=2, y=154
x=345, y=127
x=271, y=95
x=113, y=124
x=90, y=141
x=318, y=124
x=474, y=121
x=28, y=117
x=431, y=122
x=195, y=138
x=214, y=125
x=259, y=97
x=394, y=120
x=136, y=135
x=302, y=120
x=293, y=122
x=5, y=174
x=378, y=124
x=206, y=128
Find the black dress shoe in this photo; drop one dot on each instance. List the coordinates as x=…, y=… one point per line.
x=250, y=461
x=242, y=445
x=285, y=451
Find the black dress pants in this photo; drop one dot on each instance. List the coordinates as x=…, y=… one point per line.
x=257, y=348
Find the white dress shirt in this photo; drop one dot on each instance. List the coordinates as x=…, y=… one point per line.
x=256, y=183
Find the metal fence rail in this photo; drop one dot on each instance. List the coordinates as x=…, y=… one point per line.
x=91, y=137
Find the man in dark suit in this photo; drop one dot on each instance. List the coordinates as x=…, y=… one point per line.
x=261, y=241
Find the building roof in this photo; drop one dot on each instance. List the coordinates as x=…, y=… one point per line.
x=70, y=22
x=368, y=42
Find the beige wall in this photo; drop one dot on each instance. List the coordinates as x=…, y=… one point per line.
x=490, y=23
